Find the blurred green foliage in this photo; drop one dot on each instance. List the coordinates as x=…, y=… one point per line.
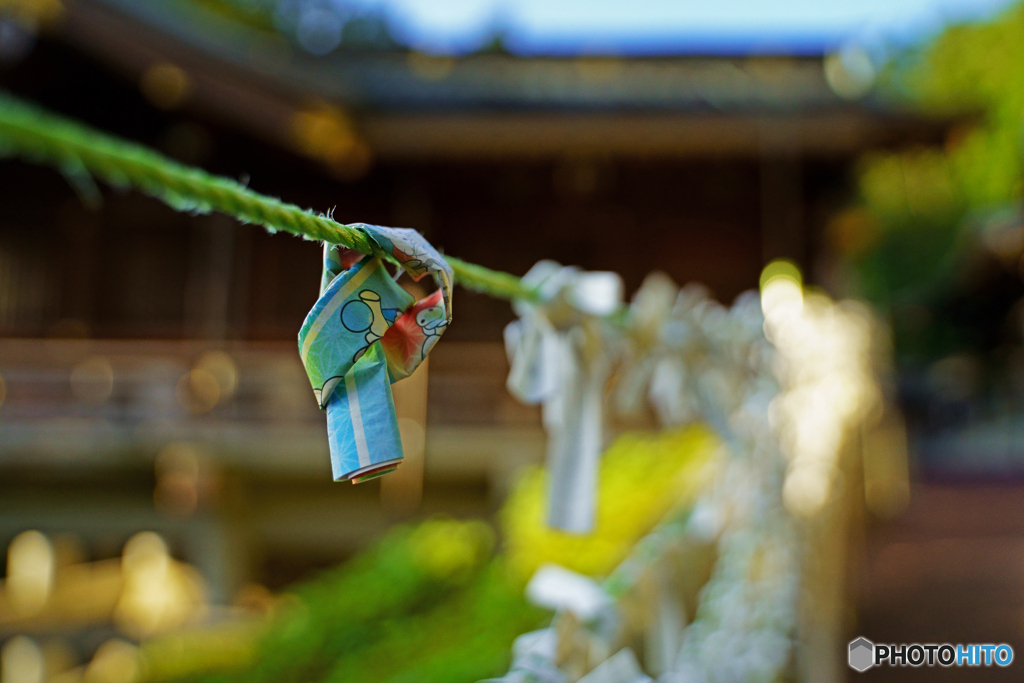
x=434, y=603
x=426, y=603
x=643, y=477
x=913, y=242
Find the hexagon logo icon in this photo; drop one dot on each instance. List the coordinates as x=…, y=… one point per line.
x=862, y=654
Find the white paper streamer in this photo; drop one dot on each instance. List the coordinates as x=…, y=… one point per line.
x=533, y=660
x=621, y=667
x=560, y=589
x=561, y=355
x=767, y=400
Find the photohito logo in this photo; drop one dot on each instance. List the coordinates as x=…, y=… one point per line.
x=864, y=654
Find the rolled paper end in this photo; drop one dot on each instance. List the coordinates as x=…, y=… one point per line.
x=362, y=429
x=373, y=473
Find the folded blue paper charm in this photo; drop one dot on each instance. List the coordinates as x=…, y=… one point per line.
x=364, y=333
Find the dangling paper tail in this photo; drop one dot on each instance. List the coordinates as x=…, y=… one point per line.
x=574, y=450
x=361, y=425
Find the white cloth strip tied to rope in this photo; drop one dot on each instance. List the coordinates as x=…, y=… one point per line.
x=688, y=356
x=561, y=353
x=533, y=660
x=812, y=374
x=644, y=350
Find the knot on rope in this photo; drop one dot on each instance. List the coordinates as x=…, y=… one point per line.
x=364, y=333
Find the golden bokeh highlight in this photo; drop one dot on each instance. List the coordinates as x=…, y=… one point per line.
x=829, y=387
x=21, y=661
x=326, y=133
x=116, y=661
x=165, y=85
x=212, y=380
x=30, y=573
x=33, y=12
x=159, y=593
x=178, y=471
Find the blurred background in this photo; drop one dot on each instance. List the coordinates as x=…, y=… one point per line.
x=152, y=404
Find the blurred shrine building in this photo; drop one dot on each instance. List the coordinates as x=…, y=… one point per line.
x=150, y=379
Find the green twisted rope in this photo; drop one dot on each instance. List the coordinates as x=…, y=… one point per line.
x=83, y=153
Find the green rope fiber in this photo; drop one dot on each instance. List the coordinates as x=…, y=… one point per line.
x=83, y=153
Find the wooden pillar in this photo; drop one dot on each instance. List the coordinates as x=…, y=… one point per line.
x=402, y=490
